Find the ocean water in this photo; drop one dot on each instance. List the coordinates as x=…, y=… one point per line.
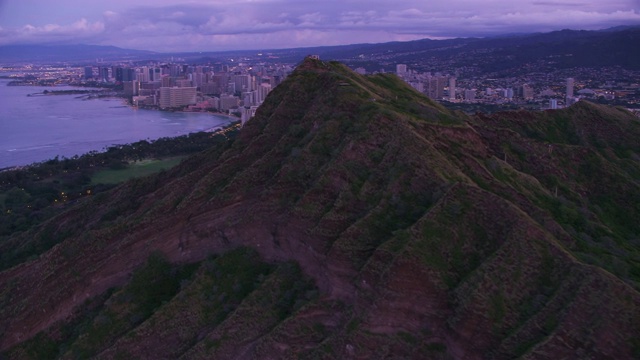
x=38, y=128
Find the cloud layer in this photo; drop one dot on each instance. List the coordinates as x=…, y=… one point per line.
x=259, y=24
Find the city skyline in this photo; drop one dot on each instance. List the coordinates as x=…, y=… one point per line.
x=168, y=25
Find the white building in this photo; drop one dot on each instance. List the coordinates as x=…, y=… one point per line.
x=262, y=93
x=228, y=102
x=248, y=98
x=143, y=75
x=171, y=97
x=569, y=88
x=508, y=93
x=247, y=113
x=452, y=88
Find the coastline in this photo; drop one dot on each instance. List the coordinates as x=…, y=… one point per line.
x=103, y=93
x=97, y=92
x=156, y=108
x=49, y=129
x=221, y=129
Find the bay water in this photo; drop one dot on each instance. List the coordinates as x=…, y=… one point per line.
x=39, y=127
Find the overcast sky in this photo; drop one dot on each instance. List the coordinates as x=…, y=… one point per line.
x=170, y=25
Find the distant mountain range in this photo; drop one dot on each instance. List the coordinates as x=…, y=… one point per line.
x=68, y=53
x=566, y=48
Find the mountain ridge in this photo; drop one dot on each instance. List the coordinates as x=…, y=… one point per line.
x=588, y=48
x=428, y=233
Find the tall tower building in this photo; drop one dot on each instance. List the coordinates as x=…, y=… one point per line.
x=435, y=87
x=243, y=83
x=131, y=88
x=262, y=93
x=128, y=74
x=117, y=73
x=248, y=98
x=199, y=79
x=526, y=92
x=452, y=88
x=569, y=88
x=401, y=69
x=143, y=75
x=508, y=93
x=103, y=73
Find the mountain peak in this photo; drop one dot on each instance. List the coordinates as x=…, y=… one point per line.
x=426, y=234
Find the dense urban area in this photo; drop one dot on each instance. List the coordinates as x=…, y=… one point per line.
x=237, y=86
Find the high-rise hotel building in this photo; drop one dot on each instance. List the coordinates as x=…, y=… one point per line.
x=172, y=97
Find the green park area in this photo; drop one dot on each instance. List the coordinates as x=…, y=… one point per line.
x=134, y=170
x=32, y=195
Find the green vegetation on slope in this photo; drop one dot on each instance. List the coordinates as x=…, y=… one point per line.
x=585, y=162
x=34, y=195
x=161, y=298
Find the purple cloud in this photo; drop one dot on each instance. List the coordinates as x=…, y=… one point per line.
x=164, y=25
